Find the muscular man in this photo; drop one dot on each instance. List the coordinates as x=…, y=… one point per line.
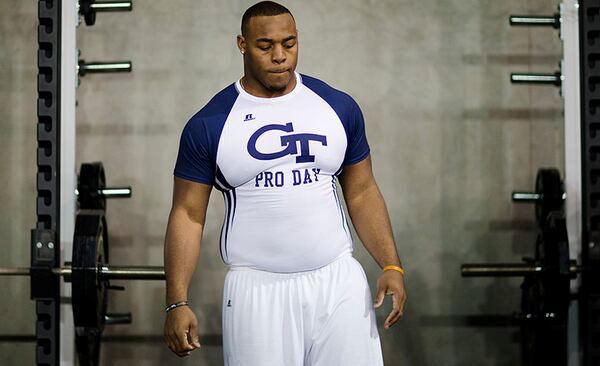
x=274, y=143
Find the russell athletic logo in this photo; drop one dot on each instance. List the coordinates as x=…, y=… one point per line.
x=248, y=117
x=289, y=143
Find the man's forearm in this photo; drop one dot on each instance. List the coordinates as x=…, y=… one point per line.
x=182, y=248
x=372, y=223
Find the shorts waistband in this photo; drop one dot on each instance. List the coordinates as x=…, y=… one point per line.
x=340, y=258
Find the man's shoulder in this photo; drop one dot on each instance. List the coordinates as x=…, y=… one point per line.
x=335, y=97
x=219, y=106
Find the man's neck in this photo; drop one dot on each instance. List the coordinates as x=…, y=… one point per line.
x=255, y=88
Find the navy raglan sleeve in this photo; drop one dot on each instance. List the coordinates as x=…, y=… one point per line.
x=194, y=160
x=358, y=147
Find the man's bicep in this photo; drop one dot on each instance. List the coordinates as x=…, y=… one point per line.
x=357, y=178
x=191, y=198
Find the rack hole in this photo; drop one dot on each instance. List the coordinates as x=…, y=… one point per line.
x=593, y=58
x=47, y=24
x=595, y=176
x=592, y=13
x=594, y=128
x=594, y=105
x=46, y=49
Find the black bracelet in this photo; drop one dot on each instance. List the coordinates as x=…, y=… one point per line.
x=176, y=305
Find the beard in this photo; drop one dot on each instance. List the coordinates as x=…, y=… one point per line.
x=276, y=89
x=277, y=85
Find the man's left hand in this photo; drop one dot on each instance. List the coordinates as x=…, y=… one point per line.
x=391, y=283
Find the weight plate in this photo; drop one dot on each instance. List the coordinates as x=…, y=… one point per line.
x=554, y=246
x=549, y=185
x=543, y=337
x=85, y=9
x=90, y=18
x=91, y=182
x=89, y=291
x=88, y=348
x=531, y=302
x=546, y=295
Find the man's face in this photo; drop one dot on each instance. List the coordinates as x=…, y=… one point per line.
x=271, y=50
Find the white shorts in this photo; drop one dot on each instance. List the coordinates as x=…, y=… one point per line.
x=322, y=317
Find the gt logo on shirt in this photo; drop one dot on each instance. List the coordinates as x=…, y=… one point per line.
x=289, y=142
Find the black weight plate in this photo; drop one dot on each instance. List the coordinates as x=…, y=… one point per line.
x=543, y=338
x=91, y=181
x=89, y=291
x=531, y=303
x=105, y=240
x=553, y=255
x=546, y=295
x=88, y=348
x=90, y=18
x=549, y=185
x=554, y=246
x=85, y=8
x=89, y=253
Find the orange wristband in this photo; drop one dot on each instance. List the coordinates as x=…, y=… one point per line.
x=394, y=268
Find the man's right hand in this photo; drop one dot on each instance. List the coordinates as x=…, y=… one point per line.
x=181, y=331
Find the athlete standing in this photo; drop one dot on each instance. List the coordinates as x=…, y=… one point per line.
x=274, y=143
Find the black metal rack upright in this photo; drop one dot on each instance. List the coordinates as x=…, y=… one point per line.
x=589, y=32
x=45, y=239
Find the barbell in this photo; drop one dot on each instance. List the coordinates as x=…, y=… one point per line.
x=510, y=269
x=104, y=272
x=89, y=274
x=545, y=291
x=89, y=271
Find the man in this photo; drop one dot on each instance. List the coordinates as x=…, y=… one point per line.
x=273, y=143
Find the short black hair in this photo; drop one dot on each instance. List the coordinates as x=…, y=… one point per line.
x=263, y=8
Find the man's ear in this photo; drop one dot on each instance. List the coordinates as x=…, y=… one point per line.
x=241, y=43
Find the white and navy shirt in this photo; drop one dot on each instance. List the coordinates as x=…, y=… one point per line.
x=276, y=160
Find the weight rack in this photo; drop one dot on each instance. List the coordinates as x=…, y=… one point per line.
x=45, y=287
x=55, y=177
x=589, y=48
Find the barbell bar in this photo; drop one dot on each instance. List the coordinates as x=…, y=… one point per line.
x=104, y=272
x=528, y=197
x=111, y=6
x=113, y=192
x=84, y=68
x=535, y=20
x=508, y=269
x=551, y=79
x=116, y=192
